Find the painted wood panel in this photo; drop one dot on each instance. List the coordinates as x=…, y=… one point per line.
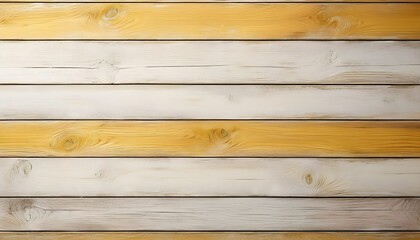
x=210, y=138
x=209, y=177
x=277, y=62
x=209, y=21
x=209, y=236
x=195, y=214
x=209, y=102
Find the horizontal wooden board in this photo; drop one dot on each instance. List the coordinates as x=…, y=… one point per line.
x=209, y=102
x=194, y=62
x=209, y=177
x=205, y=214
x=209, y=236
x=210, y=138
x=209, y=21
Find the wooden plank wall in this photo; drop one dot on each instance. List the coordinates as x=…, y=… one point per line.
x=221, y=119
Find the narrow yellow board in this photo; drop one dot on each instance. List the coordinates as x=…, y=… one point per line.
x=211, y=138
x=209, y=21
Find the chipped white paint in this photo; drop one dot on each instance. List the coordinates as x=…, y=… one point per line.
x=209, y=102
x=208, y=177
x=194, y=214
x=210, y=62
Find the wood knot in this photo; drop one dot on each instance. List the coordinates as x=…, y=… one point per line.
x=107, y=70
x=71, y=143
x=110, y=13
x=22, y=167
x=337, y=23
x=322, y=17
x=332, y=56
x=100, y=174
x=309, y=179
x=67, y=143
x=25, y=210
x=219, y=134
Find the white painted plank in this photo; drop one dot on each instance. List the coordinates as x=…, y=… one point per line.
x=209, y=102
x=196, y=214
x=293, y=62
x=209, y=177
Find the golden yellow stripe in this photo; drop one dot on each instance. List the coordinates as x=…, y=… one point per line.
x=209, y=21
x=209, y=236
x=210, y=138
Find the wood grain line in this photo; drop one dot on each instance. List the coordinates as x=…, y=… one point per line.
x=209, y=21
x=209, y=236
x=209, y=102
x=175, y=62
x=209, y=177
x=210, y=138
x=205, y=214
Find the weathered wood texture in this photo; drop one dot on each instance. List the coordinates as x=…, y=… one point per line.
x=209, y=236
x=193, y=214
x=210, y=138
x=209, y=102
x=210, y=62
x=209, y=177
x=209, y=21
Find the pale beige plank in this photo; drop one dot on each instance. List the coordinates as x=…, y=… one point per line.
x=209, y=177
x=209, y=102
x=248, y=214
x=294, y=62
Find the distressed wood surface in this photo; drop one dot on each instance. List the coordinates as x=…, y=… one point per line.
x=209, y=21
x=205, y=214
x=210, y=138
x=331, y=62
x=209, y=177
x=209, y=102
x=209, y=236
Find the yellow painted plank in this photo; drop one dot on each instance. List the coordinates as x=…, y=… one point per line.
x=208, y=236
x=209, y=21
x=210, y=138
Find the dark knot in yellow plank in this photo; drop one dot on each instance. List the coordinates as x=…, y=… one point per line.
x=67, y=143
